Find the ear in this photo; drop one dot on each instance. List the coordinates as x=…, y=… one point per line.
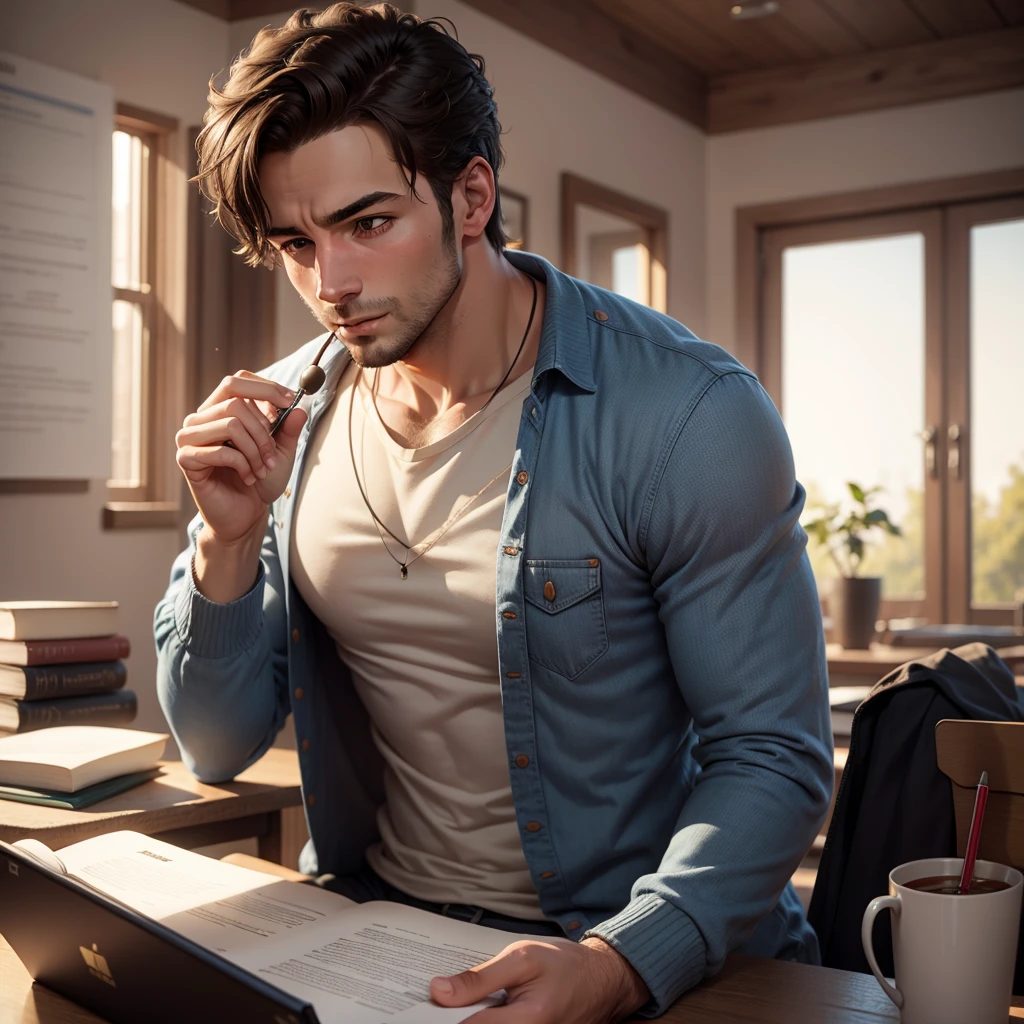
x=473, y=195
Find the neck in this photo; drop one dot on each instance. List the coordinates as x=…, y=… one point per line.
x=469, y=346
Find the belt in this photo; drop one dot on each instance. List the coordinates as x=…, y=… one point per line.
x=467, y=912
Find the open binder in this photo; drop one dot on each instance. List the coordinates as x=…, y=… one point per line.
x=121, y=965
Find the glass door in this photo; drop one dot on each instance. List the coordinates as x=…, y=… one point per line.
x=852, y=355
x=985, y=432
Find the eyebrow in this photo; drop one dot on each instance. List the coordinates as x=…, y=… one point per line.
x=330, y=219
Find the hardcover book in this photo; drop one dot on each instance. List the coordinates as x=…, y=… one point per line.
x=84, y=797
x=68, y=758
x=58, y=652
x=41, y=682
x=48, y=620
x=118, y=708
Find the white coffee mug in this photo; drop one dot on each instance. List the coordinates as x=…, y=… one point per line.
x=954, y=956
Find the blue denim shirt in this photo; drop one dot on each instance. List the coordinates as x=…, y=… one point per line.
x=666, y=713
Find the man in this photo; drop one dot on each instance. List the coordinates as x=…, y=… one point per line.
x=527, y=570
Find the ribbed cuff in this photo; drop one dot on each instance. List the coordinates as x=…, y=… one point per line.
x=662, y=944
x=212, y=630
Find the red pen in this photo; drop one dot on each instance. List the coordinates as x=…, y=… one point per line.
x=974, y=837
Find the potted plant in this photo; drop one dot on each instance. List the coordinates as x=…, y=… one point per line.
x=853, y=601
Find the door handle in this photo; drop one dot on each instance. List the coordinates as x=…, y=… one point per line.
x=954, y=435
x=931, y=462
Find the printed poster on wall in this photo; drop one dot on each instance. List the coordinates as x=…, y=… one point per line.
x=55, y=286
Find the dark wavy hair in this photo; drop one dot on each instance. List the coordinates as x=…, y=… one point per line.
x=326, y=70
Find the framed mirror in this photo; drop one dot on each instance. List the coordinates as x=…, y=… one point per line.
x=615, y=241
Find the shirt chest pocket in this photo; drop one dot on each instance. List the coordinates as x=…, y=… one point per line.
x=565, y=626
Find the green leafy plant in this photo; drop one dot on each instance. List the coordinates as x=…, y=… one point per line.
x=843, y=536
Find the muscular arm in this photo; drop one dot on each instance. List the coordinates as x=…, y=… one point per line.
x=743, y=625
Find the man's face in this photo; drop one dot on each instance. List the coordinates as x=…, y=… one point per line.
x=368, y=257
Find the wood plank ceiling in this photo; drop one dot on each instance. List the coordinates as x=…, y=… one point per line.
x=808, y=59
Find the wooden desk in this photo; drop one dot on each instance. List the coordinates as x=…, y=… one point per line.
x=746, y=991
x=880, y=659
x=176, y=807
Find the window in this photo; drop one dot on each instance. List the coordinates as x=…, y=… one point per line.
x=137, y=487
x=891, y=344
x=614, y=241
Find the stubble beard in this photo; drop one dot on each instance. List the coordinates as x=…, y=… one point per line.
x=410, y=324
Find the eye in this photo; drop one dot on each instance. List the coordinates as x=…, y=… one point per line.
x=367, y=226
x=294, y=245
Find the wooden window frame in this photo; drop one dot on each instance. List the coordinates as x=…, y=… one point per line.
x=947, y=522
x=651, y=219
x=153, y=501
x=959, y=220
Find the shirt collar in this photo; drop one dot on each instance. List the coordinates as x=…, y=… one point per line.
x=565, y=337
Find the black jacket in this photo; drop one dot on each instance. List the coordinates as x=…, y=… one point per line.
x=894, y=805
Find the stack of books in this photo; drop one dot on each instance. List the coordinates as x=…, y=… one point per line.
x=61, y=663
x=73, y=766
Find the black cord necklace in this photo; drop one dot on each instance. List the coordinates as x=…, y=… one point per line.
x=404, y=563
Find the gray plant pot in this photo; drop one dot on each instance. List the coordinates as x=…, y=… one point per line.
x=854, y=607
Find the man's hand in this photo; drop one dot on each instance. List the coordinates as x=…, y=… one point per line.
x=549, y=981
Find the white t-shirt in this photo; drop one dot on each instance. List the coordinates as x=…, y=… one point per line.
x=423, y=650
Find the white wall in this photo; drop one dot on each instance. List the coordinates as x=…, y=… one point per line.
x=969, y=135
x=158, y=56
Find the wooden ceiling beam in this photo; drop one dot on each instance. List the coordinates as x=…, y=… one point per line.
x=867, y=81
x=588, y=35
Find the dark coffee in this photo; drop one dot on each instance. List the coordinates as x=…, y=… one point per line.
x=946, y=885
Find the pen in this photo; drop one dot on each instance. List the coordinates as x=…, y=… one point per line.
x=310, y=382
x=974, y=836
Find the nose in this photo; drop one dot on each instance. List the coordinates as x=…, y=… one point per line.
x=336, y=281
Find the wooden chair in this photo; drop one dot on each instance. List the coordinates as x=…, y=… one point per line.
x=964, y=750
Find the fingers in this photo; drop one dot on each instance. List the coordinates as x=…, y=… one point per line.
x=235, y=422
x=197, y=462
x=288, y=434
x=227, y=431
x=248, y=385
x=512, y=967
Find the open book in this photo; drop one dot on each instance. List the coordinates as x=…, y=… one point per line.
x=356, y=963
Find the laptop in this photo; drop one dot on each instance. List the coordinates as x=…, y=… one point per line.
x=120, y=965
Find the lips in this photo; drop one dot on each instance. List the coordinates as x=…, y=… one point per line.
x=363, y=320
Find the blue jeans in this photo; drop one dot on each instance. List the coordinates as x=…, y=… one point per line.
x=367, y=885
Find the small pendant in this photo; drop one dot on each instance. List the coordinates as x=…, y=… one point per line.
x=405, y=572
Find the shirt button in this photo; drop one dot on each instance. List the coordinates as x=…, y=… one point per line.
x=601, y=315
x=547, y=874
x=287, y=492
x=573, y=925
x=311, y=799
x=549, y=591
x=522, y=761
x=295, y=635
x=298, y=692
x=533, y=826
x=305, y=745
x=522, y=476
